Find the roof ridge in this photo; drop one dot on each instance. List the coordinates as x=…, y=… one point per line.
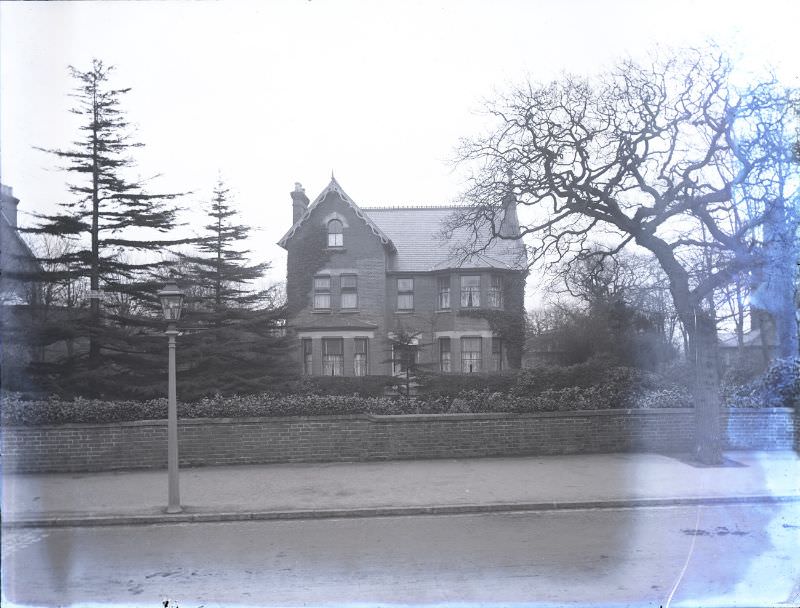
x=380, y=208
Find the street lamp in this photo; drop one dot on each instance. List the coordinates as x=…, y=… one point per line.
x=172, y=302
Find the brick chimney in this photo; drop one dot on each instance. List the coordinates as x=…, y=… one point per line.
x=8, y=204
x=299, y=202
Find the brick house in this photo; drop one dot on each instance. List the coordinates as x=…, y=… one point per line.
x=357, y=276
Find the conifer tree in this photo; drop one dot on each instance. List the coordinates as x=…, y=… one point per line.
x=235, y=342
x=117, y=231
x=221, y=270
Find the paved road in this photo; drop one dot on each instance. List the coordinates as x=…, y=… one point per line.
x=739, y=555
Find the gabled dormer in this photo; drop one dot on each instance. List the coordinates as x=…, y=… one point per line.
x=331, y=197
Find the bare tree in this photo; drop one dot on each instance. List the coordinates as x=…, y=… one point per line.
x=649, y=155
x=53, y=253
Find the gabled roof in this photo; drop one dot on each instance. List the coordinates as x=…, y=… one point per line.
x=25, y=250
x=418, y=235
x=334, y=186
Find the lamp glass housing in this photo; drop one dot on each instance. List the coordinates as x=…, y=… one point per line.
x=171, y=301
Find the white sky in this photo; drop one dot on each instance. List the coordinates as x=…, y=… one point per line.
x=269, y=93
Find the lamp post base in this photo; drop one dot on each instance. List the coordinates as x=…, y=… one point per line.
x=174, y=509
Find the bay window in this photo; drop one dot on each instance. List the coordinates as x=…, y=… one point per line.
x=470, y=291
x=470, y=355
x=332, y=356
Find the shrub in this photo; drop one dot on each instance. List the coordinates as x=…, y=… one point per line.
x=450, y=386
x=594, y=372
x=777, y=386
x=364, y=386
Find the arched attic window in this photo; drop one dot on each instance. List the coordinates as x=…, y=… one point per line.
x=335, y=236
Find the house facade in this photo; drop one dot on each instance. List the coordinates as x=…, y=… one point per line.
x=360, y=277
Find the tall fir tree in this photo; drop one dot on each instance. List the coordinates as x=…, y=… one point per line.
x=117, y=230
x=236, y=341
x=220, y=272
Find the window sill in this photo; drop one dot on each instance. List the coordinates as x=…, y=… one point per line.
x=404, y=312
x=444, y=310
x=335, y=249
x=349, y=311
x=321, y=311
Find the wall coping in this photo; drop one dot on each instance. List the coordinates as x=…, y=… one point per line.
x=389, y=418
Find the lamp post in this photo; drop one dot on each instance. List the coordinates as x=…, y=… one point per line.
x=172, y=302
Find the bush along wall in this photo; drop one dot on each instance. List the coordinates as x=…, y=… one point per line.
x=588, y=386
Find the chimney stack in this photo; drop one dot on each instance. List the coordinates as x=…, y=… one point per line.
x=509, y=225
x=299, y=202
x=8, y=204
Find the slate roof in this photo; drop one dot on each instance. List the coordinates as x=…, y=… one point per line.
x=417, y=234
x=415, y=237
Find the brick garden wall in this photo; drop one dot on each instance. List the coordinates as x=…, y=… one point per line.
x=142, y=445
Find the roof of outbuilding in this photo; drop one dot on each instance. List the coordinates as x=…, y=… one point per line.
x=418, y=233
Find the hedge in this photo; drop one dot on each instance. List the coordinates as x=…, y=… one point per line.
x=18, y=411
x=579, y=387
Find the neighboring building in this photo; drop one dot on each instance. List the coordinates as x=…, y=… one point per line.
x=16, y=294
x=15, y=255
x=759, y=344
x=358, y=275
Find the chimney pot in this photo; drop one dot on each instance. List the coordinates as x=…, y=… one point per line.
x=299, y=202
x=8, y=203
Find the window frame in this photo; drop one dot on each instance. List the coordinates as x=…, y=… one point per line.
x=405, y=293
x=443, y=289
x=473, y=292
x=330, y=360
x=338, y=237
x=449, y=358
x=322, y=291
x=348, y=290
x=497, y=354
x=494, y=296
x=307, y=354
x=399, y=366
x=476, y=358
x=365, y=366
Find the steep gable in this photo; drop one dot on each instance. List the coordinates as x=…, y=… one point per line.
x=334, y=186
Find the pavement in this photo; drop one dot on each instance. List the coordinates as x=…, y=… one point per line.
x=405, y=487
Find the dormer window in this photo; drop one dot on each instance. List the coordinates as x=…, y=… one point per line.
x=335, y=236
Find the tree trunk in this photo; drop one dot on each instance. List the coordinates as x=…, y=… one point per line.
x=707, y=410
x=94, y=278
